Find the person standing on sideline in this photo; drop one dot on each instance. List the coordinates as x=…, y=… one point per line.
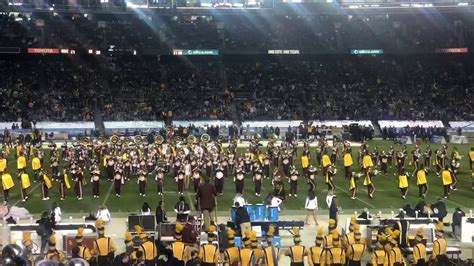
x=242, y=218
x=311, y=206
x=207, y=201
x=44, y=230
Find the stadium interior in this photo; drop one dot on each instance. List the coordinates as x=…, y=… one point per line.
x=237, y=132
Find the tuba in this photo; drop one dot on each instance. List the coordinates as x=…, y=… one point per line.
x=100, y=139
x=221, y=138
x=205, y=138
x=159, y=139
x=191, y=139
x=114, y=139
x=257, y=137
x=273, y=137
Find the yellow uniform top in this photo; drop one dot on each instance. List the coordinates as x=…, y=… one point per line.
x=395, y=256
x=326, y=160
x=25, y=181
x=209, y=253
x=270, y=254
x=356, y=251
x=304, y=161
x=7, y=181
x=258, y=253
x=85, y=253
x=402, y=181
x=471, y=156
x=232, y=255
x=103, y=246
x=47, y=181
x=149, y=250
x=18, y=149
x=348, y=160
x=247, y=257
x=315, y=255
x=348, y=240
x=297, y=253
x=419, y=252
x=367, y=161
x=61, y=256
x=379, y=258
x=35, y=164
x=335, y=255
x=3, y=164
x=421, y=177
x=447, y=178
x=439, y=247
x=21, y=162
x=179, y=250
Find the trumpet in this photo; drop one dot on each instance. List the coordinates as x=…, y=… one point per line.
x=138, y=139
x=205, y=138
x=191, y=139
x=273, y=137
x=257, y=137
x=221, y=138
x=114, y=139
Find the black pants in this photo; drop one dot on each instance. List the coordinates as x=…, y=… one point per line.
x=24, y=193
x=45, y=190
x=103, y=261
x=5, y=194
x=294, y=187
x=258, y=186
x=95, y=188
x=383, y=168
x=62, y=190
x=78, y=189
x=118, y=185
x=142, y=187
x=353, y=263
x=370, y=189
x=219, y=184
x=447, y=189
x=330, y=184
x=297, y=264
x=441, y=260
x=239, y=186
x=150, y=262
x=180, y=185
x=347, y=172
x=159, y=185
x=404, y=191
x=422, y=190
x=421, y=262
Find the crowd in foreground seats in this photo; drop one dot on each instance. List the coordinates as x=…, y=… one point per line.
x=71, y=89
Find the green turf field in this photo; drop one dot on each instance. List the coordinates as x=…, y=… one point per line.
x=387, y=194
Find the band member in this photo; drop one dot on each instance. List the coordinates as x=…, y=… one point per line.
x=159, y=180
x=196, y=178
x=7, y=184
x=148, y=249
x=297, y=252
x=403, y=183
x=25, y=184
x=54, y=166
x=400, y=161
x=379, y=255
x=28, y=248
x=395, y=253
x=326, y=162
x=77, y=177
x=3, y=161
x=421, y=181
x=335, y=256
x=63, y=184
x=416, y=154
x=368, y=182
x=46, y=184
x=356, y=251
x=447, y=178
x=257, y=180
x=266, y=166
x=178, y=248
x=180, y=181
x=209, y=252
x=438, y=257
x=285, y=162
x=21, y=162
x=383, y=162
x=84, y=251
x=470, y=157
x=367, y=161
x=239, y=181
x=257, y=252
x=142, y=183
x=36, y=166
x=118, y=182
x=317, y=252
x=330, y=172
x=391, y=155
x=327, y=240
x=95, y=180
x=219, y=180
x=427, y=156
x=419, y=250
x=305, y=162
x=232, y=253
x=110, y=168
x=353, y=185
x=455, y=165
x=347, y=162
x=293, y=180
x=271, y=254
x=104, y=247
x=53, y=252
x=247, y=256
x=439, y=160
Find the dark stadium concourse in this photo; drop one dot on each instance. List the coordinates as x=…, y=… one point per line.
x=236, y=132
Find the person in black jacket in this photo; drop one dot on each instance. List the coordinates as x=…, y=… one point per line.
x=242, y=218
x=182, y=210
x=160, y=213
x=45, y=230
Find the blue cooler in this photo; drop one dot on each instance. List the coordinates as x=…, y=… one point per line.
x=272, y=214
x=238, y=241
x=251, y=211
x=259, y=212
x=233, y=212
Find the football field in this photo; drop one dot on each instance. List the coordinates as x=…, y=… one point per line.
x=387, y=195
